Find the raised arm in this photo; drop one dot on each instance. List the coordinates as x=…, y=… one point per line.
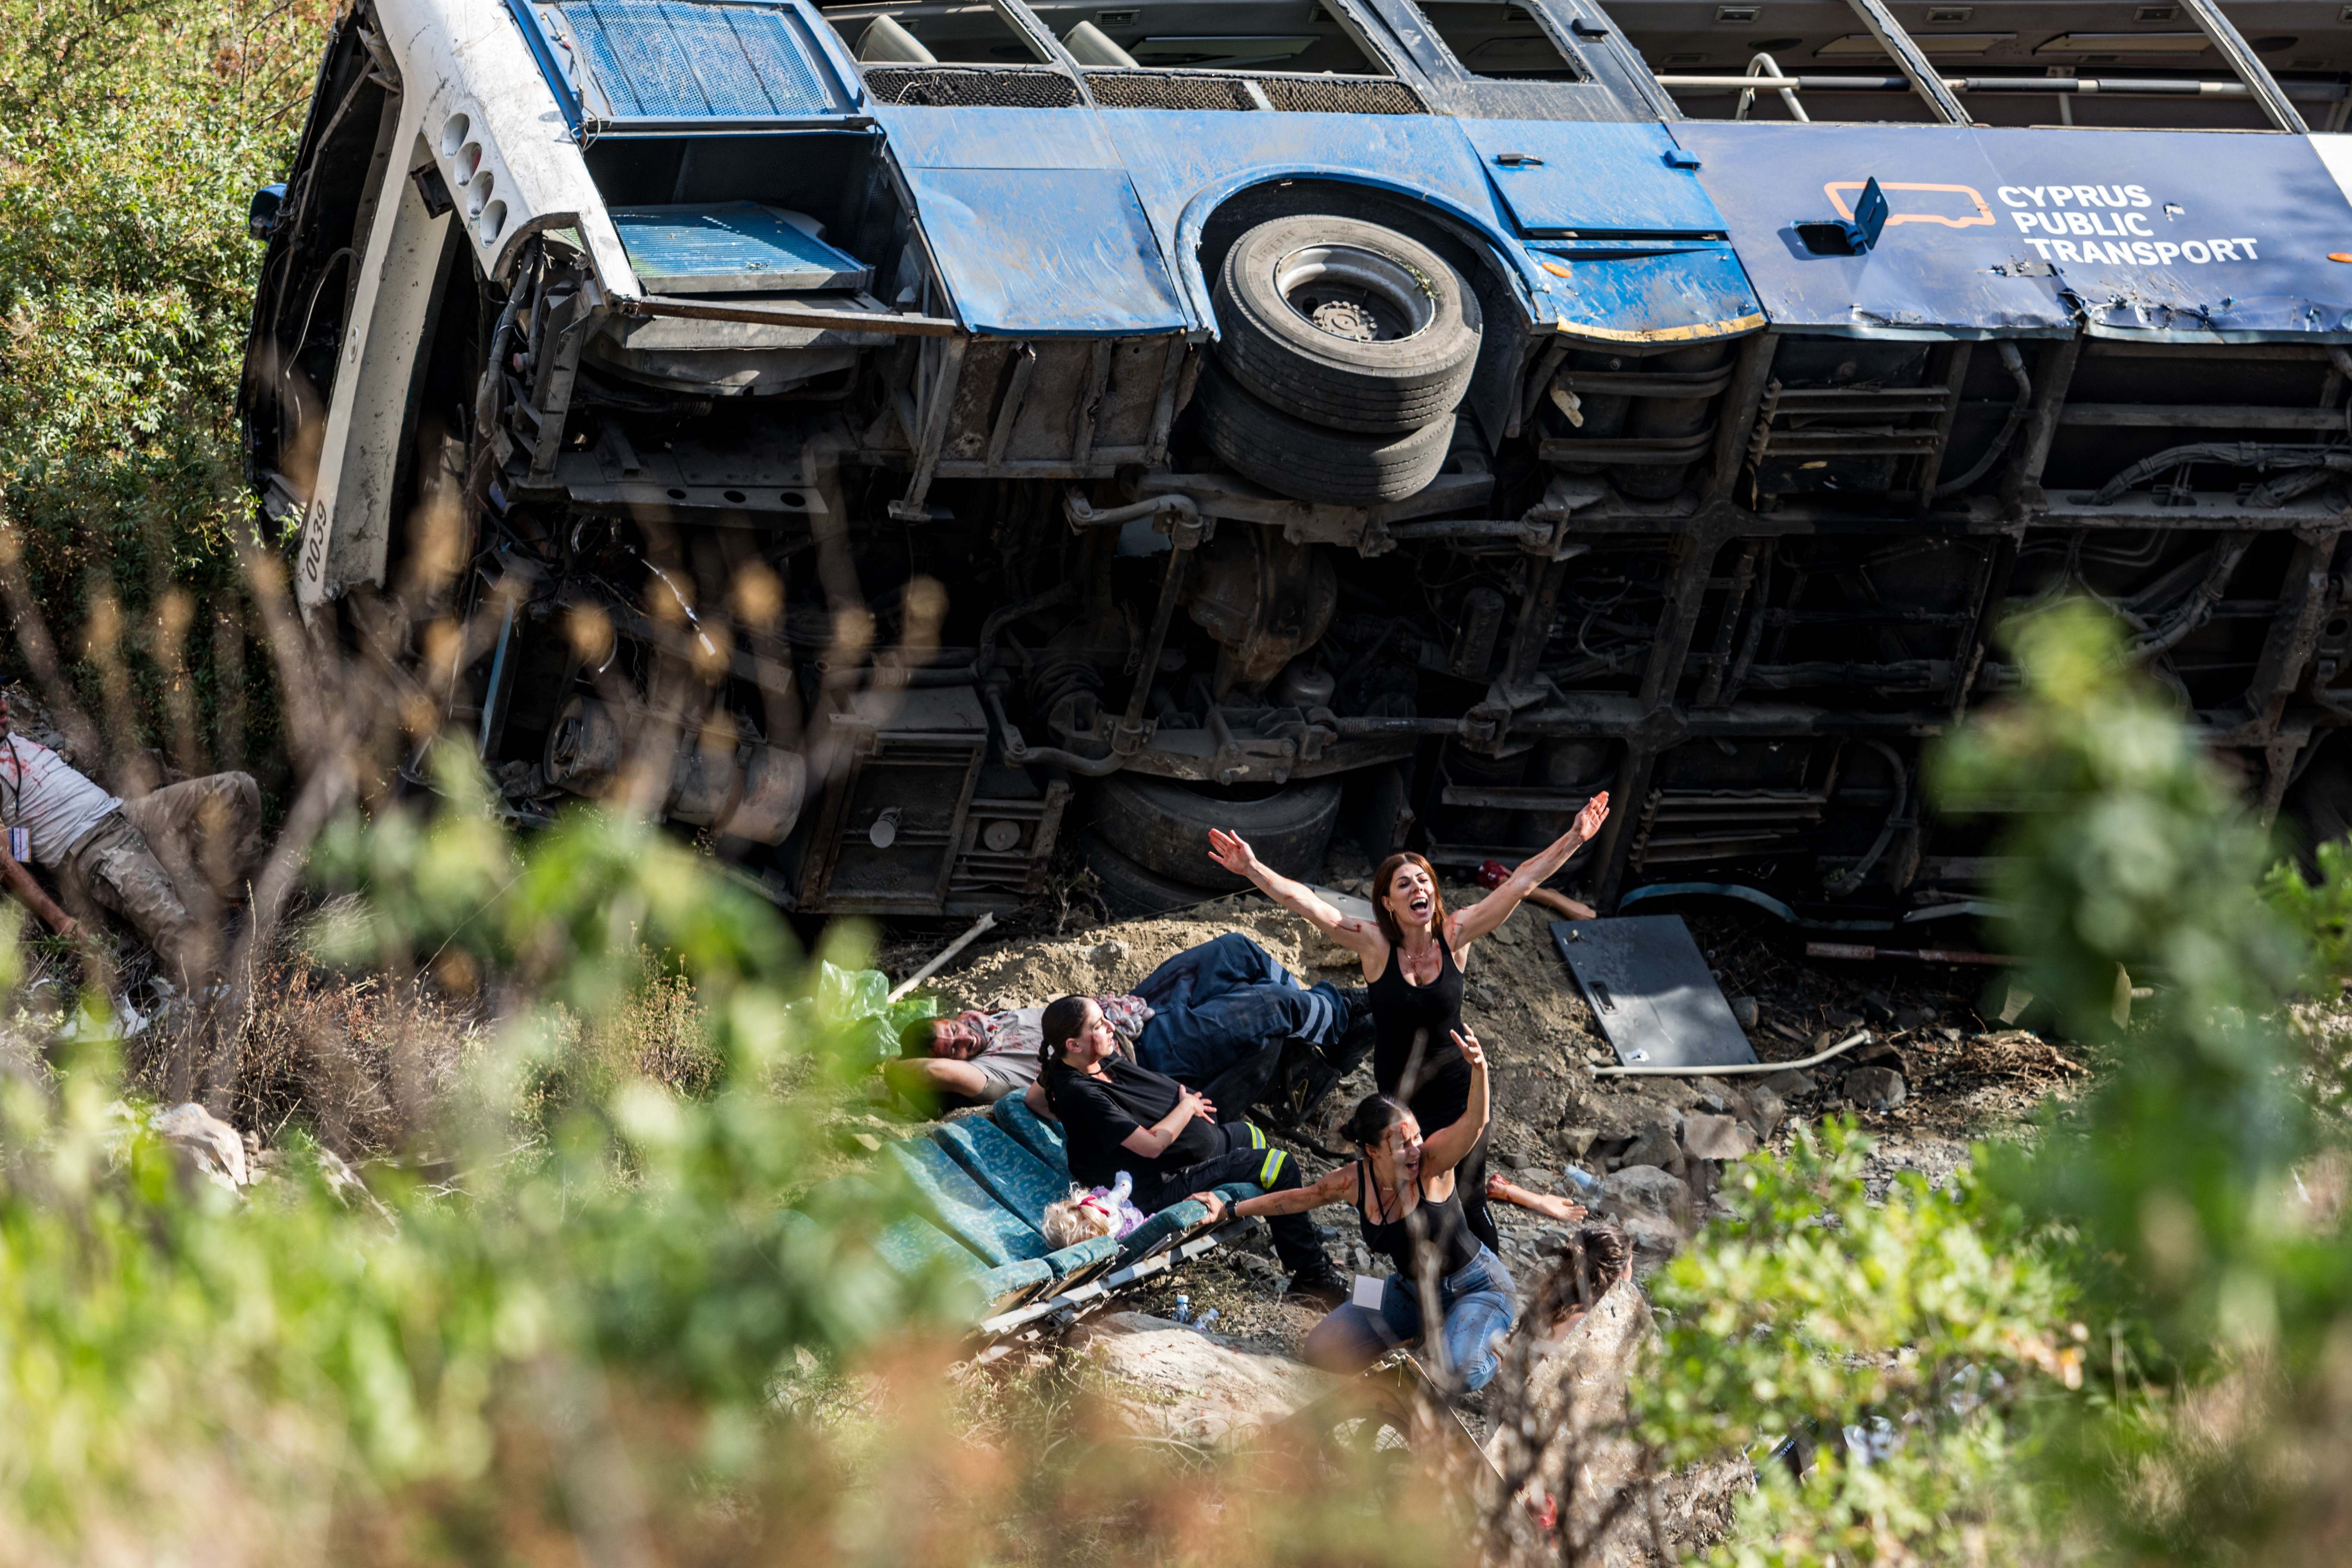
x=1496, y=908
x=1231, y=851
x=1450, y=1147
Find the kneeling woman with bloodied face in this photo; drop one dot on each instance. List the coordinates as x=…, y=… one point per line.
x=1400, y=1184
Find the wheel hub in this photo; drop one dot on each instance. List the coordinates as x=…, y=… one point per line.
x=1353, y=294
x=1351, y=318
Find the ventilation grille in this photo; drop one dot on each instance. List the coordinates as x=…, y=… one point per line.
x=1167, y=89
x=672, y=59
x=1221, y=90
x=1340, y=95
x=971, y=87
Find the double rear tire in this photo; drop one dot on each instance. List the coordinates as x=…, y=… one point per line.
x=1343, y=349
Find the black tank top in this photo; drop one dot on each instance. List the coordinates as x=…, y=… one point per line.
x=1401, y=1011
x=1447, y=1231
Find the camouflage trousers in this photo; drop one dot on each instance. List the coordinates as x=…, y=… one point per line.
x=171, y=863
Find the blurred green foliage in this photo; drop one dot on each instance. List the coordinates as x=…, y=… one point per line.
x=639, y=1239
x=1815, y=1308
x=132, y=137
x=2129, y=1338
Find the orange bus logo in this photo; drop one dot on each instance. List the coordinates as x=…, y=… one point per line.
x=1835, y=191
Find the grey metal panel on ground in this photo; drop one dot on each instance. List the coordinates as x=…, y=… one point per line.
x=1651, y=992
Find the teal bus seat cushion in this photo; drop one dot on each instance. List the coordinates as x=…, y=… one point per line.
x=1013, y=1176
x=1032, y=1132
x=962, y=1207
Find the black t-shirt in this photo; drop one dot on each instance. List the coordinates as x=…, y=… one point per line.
x=1098, y=1113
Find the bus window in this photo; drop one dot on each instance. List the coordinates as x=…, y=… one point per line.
x=931, y=35
x=1300, y=38
x=1503, y=41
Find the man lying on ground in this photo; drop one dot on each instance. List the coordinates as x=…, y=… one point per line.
x=171, y=862
x=1216, y=1017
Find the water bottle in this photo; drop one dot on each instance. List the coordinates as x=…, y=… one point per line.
x=1208, y=1321
x=1586, y=1185
x=1183, y=1312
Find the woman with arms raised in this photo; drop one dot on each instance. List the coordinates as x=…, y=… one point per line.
x=1400, y=1184
x=1411, y=951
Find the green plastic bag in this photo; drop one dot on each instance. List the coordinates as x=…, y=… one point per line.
x=855, y=1003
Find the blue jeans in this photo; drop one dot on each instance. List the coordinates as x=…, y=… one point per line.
x=1479, y=1302
x=1215, y=1004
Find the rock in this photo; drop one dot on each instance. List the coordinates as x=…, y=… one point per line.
x=1515, y=1160
x=1790, y=1082
x=1642, y=1189
x=1745, y=1012
x=1877, y=1006
x=1843, y=1020
x=210, y=1147
x=1875, y=1088
x=1765, y=1109
x=1715, y=1097
x=1112, y=951
x=1196, y=1387
x=1479, y=996
x=1609, y=1115
x=1575, y=1443
x=1575, y=1141
x=1716, y=1137
x=1680, y=1094
x=1916, y=1018
x=1655, y=1239
x=1657, y=1145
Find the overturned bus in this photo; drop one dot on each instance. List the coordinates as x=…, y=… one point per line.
x=925, y=438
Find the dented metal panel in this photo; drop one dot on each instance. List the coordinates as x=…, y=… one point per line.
x=2143, y=235
x=1592, y=180
x=1625, y=294
x=1045, y=252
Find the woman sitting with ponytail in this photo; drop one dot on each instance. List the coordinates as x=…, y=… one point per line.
x=1117, y=1116
x=1400, y=1185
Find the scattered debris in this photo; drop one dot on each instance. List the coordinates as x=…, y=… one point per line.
x=1847, y=950
x=986, y=923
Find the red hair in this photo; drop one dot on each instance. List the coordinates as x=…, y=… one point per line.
x=1389, y=927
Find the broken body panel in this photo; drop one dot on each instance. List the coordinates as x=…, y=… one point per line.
x=845, y=426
